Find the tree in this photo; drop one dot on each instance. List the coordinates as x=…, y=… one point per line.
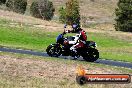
x=92, y=0
x=42, y=9
x=71, y=13
x=18, y=6
x=62, y=16
x=124, y=16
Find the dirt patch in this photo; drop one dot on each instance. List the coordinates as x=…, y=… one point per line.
x=51, y=71
x=38, y=68
x=23, y=19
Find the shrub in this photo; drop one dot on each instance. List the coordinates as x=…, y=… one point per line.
x=34, y=10
x=71, y=13
x=2, y=1
x=18, y=6
x=42, y=9
x=62, y=17
x=92, y=0
x=124, y=16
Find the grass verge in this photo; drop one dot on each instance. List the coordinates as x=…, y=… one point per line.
x=38, y=39
x=27, y=71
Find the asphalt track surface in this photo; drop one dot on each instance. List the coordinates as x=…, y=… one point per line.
x=100, y=61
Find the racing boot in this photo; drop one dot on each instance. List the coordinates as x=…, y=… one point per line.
x=74, y=54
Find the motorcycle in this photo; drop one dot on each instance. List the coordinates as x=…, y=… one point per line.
x=88, y=52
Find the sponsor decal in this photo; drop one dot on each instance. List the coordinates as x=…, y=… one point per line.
x=83, y=77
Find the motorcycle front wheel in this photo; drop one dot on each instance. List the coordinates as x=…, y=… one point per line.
x=53, y=50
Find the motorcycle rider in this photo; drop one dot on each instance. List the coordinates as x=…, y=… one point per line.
x=80, y=39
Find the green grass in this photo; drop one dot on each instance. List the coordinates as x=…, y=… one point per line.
x=24, y=38
x=104, y=40
x=111, y=48
x=116, y=56
x=37, y=39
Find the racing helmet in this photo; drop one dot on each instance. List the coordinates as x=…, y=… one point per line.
x=76, y=27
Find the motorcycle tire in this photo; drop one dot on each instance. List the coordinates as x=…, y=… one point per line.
x=53, y=51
